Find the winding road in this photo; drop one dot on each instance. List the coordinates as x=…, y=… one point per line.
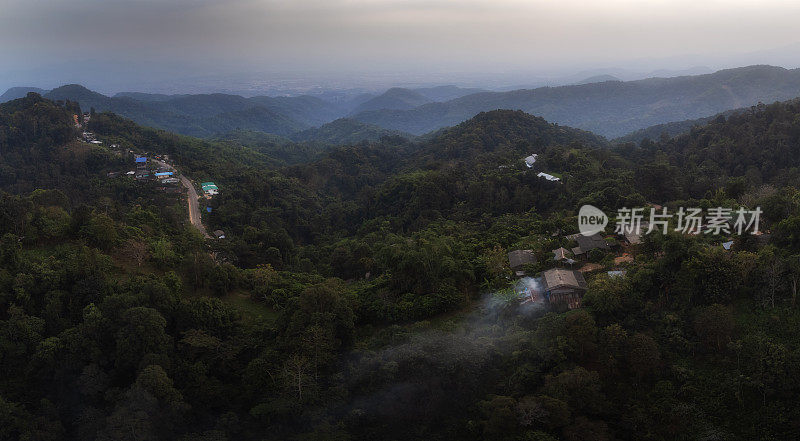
x=191, y=194
x=194, y=205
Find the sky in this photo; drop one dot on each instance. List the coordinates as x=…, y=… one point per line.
x=117, y=43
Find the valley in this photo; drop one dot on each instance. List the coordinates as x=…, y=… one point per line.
x=381, y=270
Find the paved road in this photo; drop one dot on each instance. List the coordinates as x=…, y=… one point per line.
x=191, y=193
x=194, y=206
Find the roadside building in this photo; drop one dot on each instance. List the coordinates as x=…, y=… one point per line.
x=219, y=234
x=209, y=188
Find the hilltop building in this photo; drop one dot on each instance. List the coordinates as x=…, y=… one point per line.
x=548, y=176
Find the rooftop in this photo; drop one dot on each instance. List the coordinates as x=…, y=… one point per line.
x=563, y=278
x=518, y=258
x=588, y=243
x=560, y=253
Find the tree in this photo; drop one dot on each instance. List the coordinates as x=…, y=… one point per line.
x=101, y=231
x=137, y=251
x=793, y=263
x=298, y=378
x=499, y=419
x=643, y=355
x=162, y=252
x=142, y=333
x=773, y=269
x=584, y=429
x=581, y=333
x=605, y=295
x=714, y=325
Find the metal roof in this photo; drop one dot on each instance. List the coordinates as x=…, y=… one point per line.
x=517, y=258
x=563, y=278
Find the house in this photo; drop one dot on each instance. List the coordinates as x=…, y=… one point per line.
x=519, y=258
x=617, y=273
x=564, y=288
x=219, y=234
x=548, y=176
x=589, y=243
x=727, y=245
x=561, y=254
x=634, y=236
x=209, y=188
x=530, y=160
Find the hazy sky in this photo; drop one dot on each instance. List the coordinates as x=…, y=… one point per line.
x=316, y=36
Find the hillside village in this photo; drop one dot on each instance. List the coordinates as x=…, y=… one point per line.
x=562, y=273
x=159, y=171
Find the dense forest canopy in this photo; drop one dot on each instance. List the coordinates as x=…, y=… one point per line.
x=363, y=291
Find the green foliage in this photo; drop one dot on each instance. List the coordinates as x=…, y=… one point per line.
x=375, y=267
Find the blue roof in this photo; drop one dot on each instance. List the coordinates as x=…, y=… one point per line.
x=141, y=159
x=727, y=245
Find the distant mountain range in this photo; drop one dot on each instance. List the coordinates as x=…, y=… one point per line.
x=395, y=98
x=19, y=92
x=600, y=104
x=610, y=108
x=346, y=131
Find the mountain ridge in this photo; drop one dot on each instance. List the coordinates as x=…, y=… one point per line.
x=609, y=108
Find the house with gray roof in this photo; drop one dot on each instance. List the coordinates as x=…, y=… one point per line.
x=564, y=288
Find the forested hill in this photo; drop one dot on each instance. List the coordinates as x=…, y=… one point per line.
x=611, y=108
x=394, y=98
x=365, y=292
x=38, y=149
x=345, y=131
x=514, y=132
x=676, y=128
x=759, y=146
